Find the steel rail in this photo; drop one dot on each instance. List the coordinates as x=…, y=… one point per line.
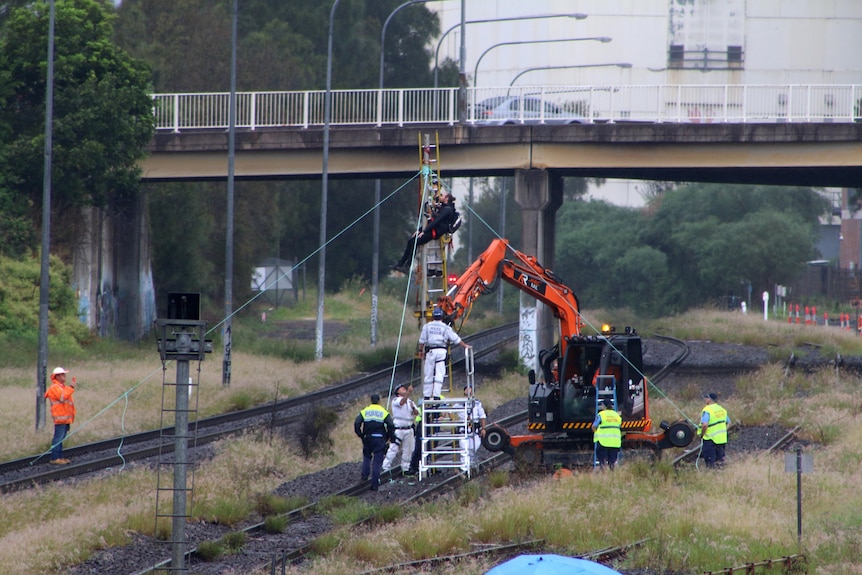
x=484, y=467
x=265, y=414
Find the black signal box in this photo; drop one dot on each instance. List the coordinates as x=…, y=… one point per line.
x=185, y=306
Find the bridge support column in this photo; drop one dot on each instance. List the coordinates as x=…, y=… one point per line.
x=539, y=193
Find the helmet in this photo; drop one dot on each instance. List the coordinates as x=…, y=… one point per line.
x=437, y=313
x=58, y=371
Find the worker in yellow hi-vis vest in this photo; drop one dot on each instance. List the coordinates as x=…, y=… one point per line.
x=713, y=428
x=607, y=435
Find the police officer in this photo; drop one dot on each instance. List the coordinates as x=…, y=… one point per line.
x=713, y=428
x=607, y=435
x=404, y=412
x=374, y=426
x=434, y=341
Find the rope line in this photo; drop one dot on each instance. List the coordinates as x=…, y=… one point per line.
x=125, y=395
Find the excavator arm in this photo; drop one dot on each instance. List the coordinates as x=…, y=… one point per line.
x=523, y=272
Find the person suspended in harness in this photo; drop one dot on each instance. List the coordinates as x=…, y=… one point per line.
x=374, y=426
x=713, y=428
x=607, y=435
x=434, y=342
x=404, y=413
x=445, y=221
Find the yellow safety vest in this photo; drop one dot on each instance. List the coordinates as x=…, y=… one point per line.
x=608, y=432
x=716, y=430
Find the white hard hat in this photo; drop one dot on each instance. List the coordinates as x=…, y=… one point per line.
x=59, y=370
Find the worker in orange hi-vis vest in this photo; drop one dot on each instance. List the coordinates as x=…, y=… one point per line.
x=62, y=410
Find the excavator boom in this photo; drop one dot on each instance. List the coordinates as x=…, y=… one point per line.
x=577, y=373
x=522, y=271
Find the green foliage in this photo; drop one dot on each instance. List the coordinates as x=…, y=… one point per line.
x=103, y=119
x=499, y=478
x=315, y=433
x=326, y=544
x=19, y=307
x=234, y=541
x=701, y=243
x=209, y=551
x=271, y=504
x=345, y=510
x=228, y=510
x=386, y=513
x=275, y=523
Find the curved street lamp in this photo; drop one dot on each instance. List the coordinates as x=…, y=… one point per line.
x=602, y=39
x=542, y=68
x=386, y=24
x=576, y=16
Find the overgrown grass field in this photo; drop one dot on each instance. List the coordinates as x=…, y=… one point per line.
x=695, y=521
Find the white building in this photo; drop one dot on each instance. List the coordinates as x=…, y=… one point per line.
x=666, y=42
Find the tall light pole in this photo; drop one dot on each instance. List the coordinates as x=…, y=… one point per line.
x=602, y=39
x=375, y=258
x=462, y=70
x=228, y=259
x=324, y=192
x=577, y=16
x=44, y=272
x=544, y=68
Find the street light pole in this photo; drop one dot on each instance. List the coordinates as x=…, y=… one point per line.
x=324, y=192
x=462, y=70
x=602, y=39
x=231, y=155
x=44, y=272
x=577, y=16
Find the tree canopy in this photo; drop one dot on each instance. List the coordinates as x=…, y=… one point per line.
x=702, y=242
x=102, y=124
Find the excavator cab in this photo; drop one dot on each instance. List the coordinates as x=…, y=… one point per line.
x=590, y=363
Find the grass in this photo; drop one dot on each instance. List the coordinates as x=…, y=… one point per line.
x=752, y=502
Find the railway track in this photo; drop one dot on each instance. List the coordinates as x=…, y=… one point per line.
x=33, y=470
x=261, y=545
x=436, y=485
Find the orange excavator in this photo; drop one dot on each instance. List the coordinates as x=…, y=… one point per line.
x=576, y=374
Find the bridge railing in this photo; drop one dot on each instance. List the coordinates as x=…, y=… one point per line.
x=523, y=104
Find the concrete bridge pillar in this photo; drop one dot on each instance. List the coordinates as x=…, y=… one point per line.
x=539, y=193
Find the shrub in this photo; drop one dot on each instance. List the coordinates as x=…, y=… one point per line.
x=315, y=433
x=209, y=551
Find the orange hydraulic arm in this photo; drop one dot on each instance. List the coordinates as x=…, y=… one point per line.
x=523, y=272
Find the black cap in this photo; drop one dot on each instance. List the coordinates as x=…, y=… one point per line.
x=375, y=398
x=608, y=403
x=712, y=396
x=399, y=386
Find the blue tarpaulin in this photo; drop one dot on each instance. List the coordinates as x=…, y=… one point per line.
x=550, y=565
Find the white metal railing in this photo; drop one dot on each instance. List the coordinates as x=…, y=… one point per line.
x=532, y=104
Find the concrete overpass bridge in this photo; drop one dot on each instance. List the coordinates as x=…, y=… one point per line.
x=780, y=134
x=788, y=135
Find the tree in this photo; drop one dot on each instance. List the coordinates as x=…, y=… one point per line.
x=103, y=117
x=599, y=256
x=716, y=237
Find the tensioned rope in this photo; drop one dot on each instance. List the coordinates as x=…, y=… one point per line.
x=125, y=395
